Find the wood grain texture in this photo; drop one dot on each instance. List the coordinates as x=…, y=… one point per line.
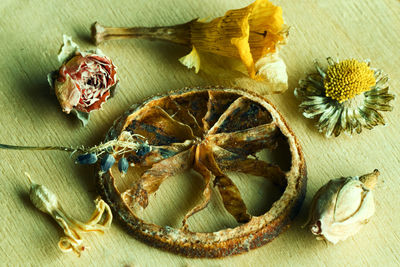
x=30, y=36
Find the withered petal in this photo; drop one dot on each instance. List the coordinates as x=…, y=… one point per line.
x=208, y=179
x=229, y=161
x=247, y=33
x=152, y=178
x=242, y=114
x=217, y=104
x=230, y=194
x=248, y=141
x=158, y=127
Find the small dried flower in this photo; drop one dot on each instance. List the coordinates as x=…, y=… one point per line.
x=123, y=165
x=250, y=34
x=84, y=81
x=342, y=206
x=346, y=97
x=107, y=162
x=88, y=158
x=47, y=202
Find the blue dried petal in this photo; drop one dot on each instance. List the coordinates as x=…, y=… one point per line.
x=106, y=162
x=123, y=165
x=143, y=150
x=89, y=158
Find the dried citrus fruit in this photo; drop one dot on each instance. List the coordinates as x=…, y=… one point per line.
x=212, y=131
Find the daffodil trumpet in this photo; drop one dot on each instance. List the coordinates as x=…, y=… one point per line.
x=252, y=34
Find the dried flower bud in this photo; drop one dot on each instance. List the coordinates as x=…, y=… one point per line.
x=342, y=206
x=84, y=81
x=123, y=165
x=46, y=201
x=89, y=158
x=42, y=198
x=106, y=162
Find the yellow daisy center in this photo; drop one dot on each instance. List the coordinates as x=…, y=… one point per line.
x=348, y=78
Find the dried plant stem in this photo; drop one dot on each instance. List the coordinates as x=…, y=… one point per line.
x=60, y=148
x=178, y=34
x=123, y=146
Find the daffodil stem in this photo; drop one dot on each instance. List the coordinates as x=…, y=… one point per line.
x=178, y=34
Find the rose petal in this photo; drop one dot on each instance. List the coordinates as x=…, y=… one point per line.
x=67, y=93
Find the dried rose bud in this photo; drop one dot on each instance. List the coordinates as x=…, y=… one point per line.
x=342, y=206
x=84, y=81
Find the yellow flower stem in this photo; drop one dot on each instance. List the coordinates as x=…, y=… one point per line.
x=178, y=34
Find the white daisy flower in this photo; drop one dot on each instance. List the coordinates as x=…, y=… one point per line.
x=347, y=97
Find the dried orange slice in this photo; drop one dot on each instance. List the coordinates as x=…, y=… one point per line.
x=212, y=131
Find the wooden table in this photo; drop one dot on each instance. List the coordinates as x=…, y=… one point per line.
x=30, y=36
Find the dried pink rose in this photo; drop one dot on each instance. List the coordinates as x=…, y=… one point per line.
x=84, y=82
